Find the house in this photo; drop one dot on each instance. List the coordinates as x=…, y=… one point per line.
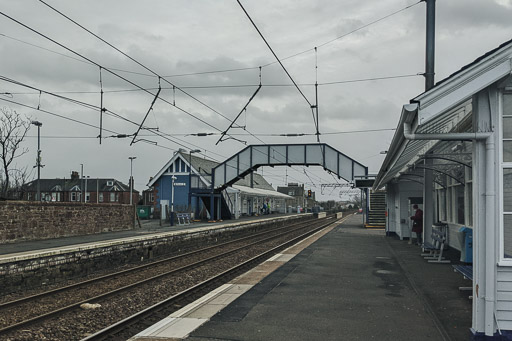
x=452, y=154
x=301, y=198
x=182, y=188
x=74, y=189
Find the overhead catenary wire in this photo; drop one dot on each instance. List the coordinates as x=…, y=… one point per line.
x=207, y=72
x=346, y=34
x=240, y=113
x=317, y=121
x=174, y=139
x=138, y=63
x=106, y=69
x=278, y=60
x=230, y=86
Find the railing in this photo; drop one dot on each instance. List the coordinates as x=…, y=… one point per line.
x=254, y=156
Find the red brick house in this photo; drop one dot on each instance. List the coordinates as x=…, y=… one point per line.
x=100, y=190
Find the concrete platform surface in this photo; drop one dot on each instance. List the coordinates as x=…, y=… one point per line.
x=351, y=284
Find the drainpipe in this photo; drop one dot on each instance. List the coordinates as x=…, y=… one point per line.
x=444, y=137
x=490, y=238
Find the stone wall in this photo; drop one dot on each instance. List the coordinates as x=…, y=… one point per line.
x=25, y=272
x=24, y=220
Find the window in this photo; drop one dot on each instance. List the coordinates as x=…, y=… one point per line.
x=442, y=204
x=74, y=196
x=100, y=198
x=459, y=192
x=112, y=197
x=506, y=168
x=151, y=197
x=87, y=197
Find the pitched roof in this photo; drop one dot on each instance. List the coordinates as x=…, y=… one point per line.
x=435, y=109
x=204, y=168
x=66, y=185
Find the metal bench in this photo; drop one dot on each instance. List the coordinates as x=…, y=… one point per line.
x=436, y=248
x=467, y=272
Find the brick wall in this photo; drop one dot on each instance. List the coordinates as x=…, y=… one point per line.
x=22, y=220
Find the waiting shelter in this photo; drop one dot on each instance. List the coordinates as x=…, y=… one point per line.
x=452, y=154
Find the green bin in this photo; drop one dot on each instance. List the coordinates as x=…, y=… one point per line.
x=143, y=212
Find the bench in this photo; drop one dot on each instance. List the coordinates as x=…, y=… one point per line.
x=183, y=218
x=467, y=272
x=436, y=247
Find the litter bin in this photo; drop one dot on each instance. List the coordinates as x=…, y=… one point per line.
x=143, y=211
x=467, y=249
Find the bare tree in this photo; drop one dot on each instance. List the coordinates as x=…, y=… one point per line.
x=13, y=129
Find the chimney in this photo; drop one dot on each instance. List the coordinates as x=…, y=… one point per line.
x=74, y=175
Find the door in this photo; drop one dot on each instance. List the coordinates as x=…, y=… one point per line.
x=164, y=204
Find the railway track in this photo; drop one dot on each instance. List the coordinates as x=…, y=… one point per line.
x=133, y=324
x=200, y=258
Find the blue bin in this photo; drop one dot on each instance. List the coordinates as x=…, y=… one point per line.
x=468, y=244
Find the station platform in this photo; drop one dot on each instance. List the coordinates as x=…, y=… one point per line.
x=149, y=229
x=344, y=283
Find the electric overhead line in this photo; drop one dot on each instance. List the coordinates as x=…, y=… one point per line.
x=143, y=66
x=316, y=123
x=94, y=107
x=228, y=86
x=233, y=69
x=167, y=137
x=112, y=72
x=280, y=63
x=346, y=34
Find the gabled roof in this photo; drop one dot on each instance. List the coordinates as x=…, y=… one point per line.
x=66, y=185
x=437, y=109
x=203, y=167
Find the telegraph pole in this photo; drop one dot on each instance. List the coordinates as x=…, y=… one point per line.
x=131, y=178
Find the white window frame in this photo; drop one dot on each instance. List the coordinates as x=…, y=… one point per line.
x=502, y=165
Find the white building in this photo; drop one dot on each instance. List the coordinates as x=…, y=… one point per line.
x=453, y=150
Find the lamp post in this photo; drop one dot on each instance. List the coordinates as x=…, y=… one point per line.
x=172, y=199
x=38, y=159
x=81, y=181
x=131, y=178
x=190, y=175
x=85, y=193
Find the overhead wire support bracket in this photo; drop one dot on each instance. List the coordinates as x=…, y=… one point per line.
x=149, y=110
x=240, y=113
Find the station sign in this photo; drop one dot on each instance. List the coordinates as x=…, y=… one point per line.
x=363, y=183
x=179, y=184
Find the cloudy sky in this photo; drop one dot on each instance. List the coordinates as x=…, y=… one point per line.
x=211, y=53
